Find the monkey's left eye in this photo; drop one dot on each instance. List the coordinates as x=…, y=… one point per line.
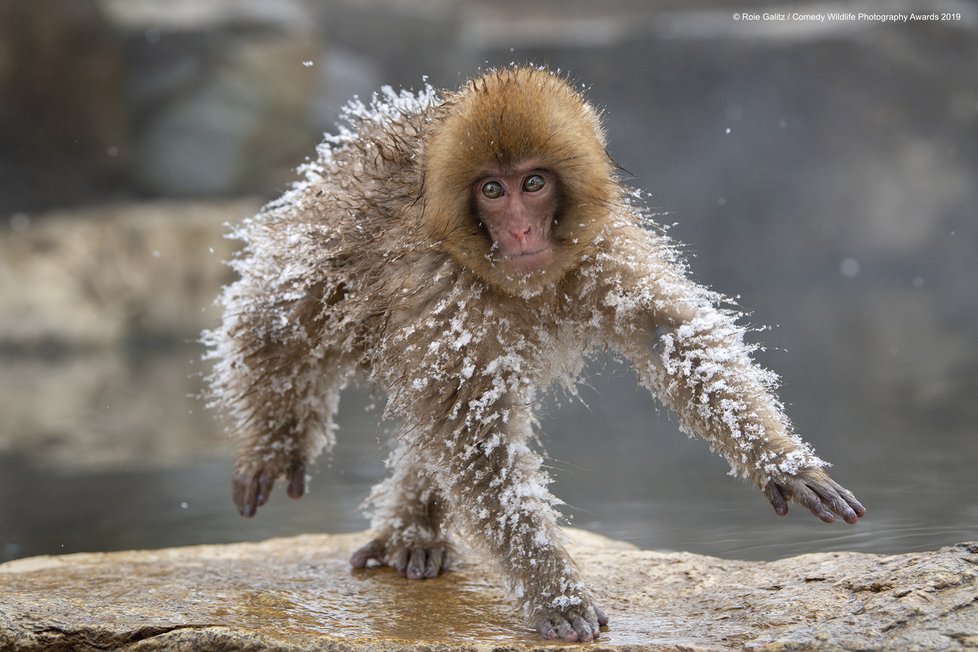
x=492, y=189
x=533, y=183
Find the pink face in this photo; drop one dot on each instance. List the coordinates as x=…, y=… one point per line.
x=518, y=207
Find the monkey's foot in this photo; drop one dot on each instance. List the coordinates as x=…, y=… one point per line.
x=417, y=561
x=571, y=624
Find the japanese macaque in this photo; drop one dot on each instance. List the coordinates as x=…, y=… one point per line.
x=462, y=253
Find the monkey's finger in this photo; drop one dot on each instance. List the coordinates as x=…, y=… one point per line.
x=835, y=502
x=433, y=565
x=245, y=488
x=585, y=632
x=445, y=559
x=265, y=482
x=416, y=564
x=238, y=489
x=601, y=615
x=813, y=502
x=776, y=498
x=849, y=497
x=373, y=550
x=297, y=479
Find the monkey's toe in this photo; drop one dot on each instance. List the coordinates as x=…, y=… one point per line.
x=601, y=616
x=572, y=626
x=372, y=551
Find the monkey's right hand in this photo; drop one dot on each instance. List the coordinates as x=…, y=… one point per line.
x=252, y=483
x=573, y=624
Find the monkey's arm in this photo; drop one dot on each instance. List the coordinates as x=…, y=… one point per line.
x=278, y=368
x=693, y=356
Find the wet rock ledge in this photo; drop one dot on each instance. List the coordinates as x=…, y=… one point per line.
x=299, y=594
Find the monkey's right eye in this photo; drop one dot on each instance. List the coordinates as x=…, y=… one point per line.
x=492, y=189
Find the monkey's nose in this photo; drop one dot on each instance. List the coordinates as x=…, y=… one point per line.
x=521, y=234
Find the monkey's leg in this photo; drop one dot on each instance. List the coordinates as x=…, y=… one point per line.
x=497, y=490
x=408, y=516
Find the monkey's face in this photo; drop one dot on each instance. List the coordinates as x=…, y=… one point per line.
x=517, y=208
x=517, y=184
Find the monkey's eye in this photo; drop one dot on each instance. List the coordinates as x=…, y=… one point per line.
x=492, y=189
x=533, y=183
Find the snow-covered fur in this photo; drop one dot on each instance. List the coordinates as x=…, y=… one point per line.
x=373, y=266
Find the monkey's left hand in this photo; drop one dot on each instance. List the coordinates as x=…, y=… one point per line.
x=814, y=489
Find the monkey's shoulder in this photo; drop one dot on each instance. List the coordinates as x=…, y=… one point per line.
x=368, y=171
x=386, y=133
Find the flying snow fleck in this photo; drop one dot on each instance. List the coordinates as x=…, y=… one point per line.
x=850, y=267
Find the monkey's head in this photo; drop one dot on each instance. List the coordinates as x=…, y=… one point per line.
x=517, y=180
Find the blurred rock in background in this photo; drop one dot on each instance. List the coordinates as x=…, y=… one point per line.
x=218, y=95
x=64, y=128
x=108, y=99
x=115, y=274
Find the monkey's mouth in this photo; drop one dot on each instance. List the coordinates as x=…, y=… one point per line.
x=529, y=261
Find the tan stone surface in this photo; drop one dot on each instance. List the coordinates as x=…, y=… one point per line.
x=300, y=594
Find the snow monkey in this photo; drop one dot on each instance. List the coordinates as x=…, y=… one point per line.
x=463, y=252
